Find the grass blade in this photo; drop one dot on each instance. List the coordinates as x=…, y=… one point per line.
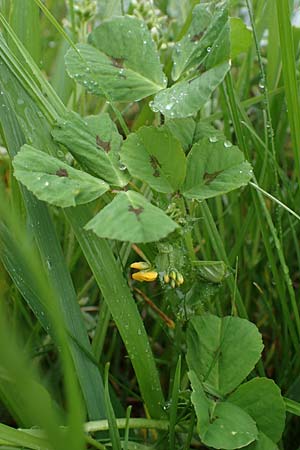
x=289, y=75
x=113, y=428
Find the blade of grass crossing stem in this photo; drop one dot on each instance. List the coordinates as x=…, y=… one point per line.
x=113, y=428
x=290, y=75
x=174, y=404
x=97, y=251
x=261, y=209
x=48, y=244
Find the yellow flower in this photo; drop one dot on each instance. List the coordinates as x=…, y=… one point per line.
x=145, y=276
x=141, y=265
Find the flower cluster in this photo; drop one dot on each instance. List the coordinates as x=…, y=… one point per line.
x=145, y=272
x=173, y=277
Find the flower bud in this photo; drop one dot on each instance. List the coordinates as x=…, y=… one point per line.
x=166, y=278
x=180, y=278
x=141, y=265
x=145, y=276
x=173, y=274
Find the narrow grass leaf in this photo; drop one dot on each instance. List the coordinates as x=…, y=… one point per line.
x=113, y=427
x=174, y=404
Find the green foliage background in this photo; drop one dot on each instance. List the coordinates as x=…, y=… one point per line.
x=170, y=136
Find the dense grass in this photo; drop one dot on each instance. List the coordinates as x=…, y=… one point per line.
x=68, y=303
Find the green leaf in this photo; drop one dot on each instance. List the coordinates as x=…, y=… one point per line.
x=262, y=443
x=214, y=344
x=221, y=425
x=205, y=52
x=215, y=167
x=95, y=143
x=200, y=402
x=54, y=181
x=122, y=61
x=156, y=157
x=130, y=217
x=206, y=42
x=183, y=130
x=262, y=400
x=213, y=271
x=240, y=37
x=186, y=97
x=205, y=130
x=113, y=428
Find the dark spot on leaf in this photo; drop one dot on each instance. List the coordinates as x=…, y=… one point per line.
x=154, y=162
x=118, y=62
x=155, y=165
x=62, y=173
x=193, y=79
x=136, y=211
x=209, y=177
x=104, y=145
x=201, y=68
x=197, y=37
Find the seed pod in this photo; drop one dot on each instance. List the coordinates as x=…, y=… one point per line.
x=173, y=284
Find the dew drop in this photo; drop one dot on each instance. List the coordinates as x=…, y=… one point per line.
x=154, y=108
x=60, y=153
x=122, y=166
x=213, y=139
x=47, y=183
x=227, y=144
x=208, y=49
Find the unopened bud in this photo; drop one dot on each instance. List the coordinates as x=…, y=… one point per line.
x=166, y=278
x=141, y=265
x=145, y=276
